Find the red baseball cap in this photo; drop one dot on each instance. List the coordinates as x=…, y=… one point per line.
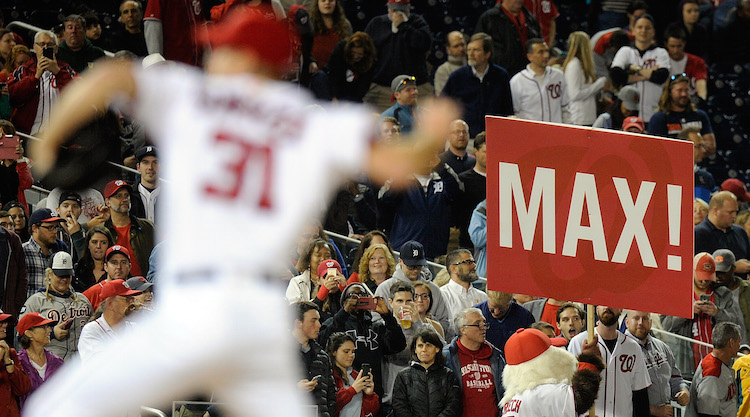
x=252, y=29
x=525, y=345
x=633, y=121
x=116, y=287
x=704, y=267
x=4, y=316
x=736, y=187
x=114, y=186
x=117, y=249
x=328, y=263
x=31, y=320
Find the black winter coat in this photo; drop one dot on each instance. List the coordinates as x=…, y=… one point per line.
x=325, y=392
x=432, y=392
x=507, y=49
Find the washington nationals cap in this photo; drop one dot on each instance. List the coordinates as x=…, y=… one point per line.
x=724, y=259
x=43, y=215
x=31, y=320
x=116, y=287
x=525, y=345
x=117, y=249
x=328, y=263
x=704, y=267
x=114, y=186
x=412, y=253
x=4, y=316
x=633, y=121
x=401, y=5
x=62, y=264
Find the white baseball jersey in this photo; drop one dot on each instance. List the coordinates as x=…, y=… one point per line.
x=539, y=98
x=649, y=92
x=543, y=400
x=624, y=373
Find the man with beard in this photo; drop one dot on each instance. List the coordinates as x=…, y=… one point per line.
x=570, y=320
x=666, y=381
x=677, y=112
x=625, y=381
x=42, y=246
x=133, y=233
x=739, y=288
x=505, y=316
x=458, y=292
x=117, y=265
x=149, y=188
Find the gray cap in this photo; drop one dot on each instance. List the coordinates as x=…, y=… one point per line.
x=402, y=81
x=630, y=97
x=724, y=259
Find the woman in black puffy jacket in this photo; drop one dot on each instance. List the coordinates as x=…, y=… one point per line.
x=427, y=388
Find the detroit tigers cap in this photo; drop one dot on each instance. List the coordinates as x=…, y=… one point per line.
x=401, y=5
x=114, y=186
x=630, y=97
x=633, y=121
x=31, y=320
x=525, y=345
x=412, y=253
x=704, y=267
x=736, y=187
x=117, y=249
x=4, y=316
x=146, y=151
x=724, y=259
x=116, y=287
x=138, y=284
x=62, y=264
x=328, y=263
x=252, y=29
x=43, y=215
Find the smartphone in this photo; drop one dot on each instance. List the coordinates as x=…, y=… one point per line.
x=705, y=297
x=366, y=369
x=332, y=272
x=315, y=378
x=67, y=324
x=48, y=53
x=8, y=146
x=366, y=303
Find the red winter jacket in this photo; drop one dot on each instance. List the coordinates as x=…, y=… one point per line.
x=23, y=90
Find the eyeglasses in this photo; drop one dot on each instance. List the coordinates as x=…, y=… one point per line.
x=422, y=296
x=49, y=227
x=466, y=261
x=483, y=325
x=6, y=224
x=45, y=44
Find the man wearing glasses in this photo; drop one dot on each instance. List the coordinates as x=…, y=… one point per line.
x=458, y=292
x=477, y=364
x=35, y=85
x=42, y=246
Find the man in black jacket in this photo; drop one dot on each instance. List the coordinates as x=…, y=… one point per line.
x=319, y=374
x=510, y=25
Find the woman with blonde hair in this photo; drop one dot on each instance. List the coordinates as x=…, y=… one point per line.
x=58, y=302
x=19, y=55
x=377, y=265
x=581, y=80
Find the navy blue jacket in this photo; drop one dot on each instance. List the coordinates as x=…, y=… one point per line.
x=402, y=52
x=479, y=98
x=500, y=330
x=708, y=239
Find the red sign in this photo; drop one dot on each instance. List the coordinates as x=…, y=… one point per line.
x=595, y=216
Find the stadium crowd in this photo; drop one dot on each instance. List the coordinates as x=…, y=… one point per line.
x=382, y=332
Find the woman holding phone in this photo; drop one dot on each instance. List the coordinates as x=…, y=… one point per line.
x=355, y=395
x=427, y=388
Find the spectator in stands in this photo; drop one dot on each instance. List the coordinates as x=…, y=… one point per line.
x=456, y=156
x=93, y=29
x=666, y=381
x=42, y=246
x=409, y=270
x=680, y=62
x=14, y=383
x=714, y=390
x=458, y=293
x=677, y=111
x=377, y=264
x=316, y=363
x=475, y=190
x=580, y=80
x=134, y=233
x=504, y=317
x=143, y=301
x=355, y=391
x=33, y=336
x=75, y=48
x=71, y=232
x=13, y=279
x=7, y=42
x=546, y=328
x=728, y=36
x=700, y=211
x=130, y=37
x=6, y=221
x=455, y=47
x=90, y=268
x=633, y=124
x=482, y=87
x=697, y=37
x=742, y=220
x=423, y=302
x=545, y=309
x=420, y=211
x=144, y=202
x=510, y=25
x=330, y=25
x=626, y=105
x=405, y=94
x=351, y=67
x=546, y=13
x=613, y=14
x=57, y=301
x=427, y=387
x=718, y=230
x=330, y=283
x=477, y=365
x=15, y=174
x=19, y=55
x=371, y=238
x=710, y=307
x=390, y=130
x=738, y=188
x=605, y=48
x=375, y=339
x=738, y=287
x=117, y=265
x=303, y=287
x=644, y=65
x=570, y=319
x=169, y=27
x=402, y=40
x=703, y=181
x=36, y=85
x=119, y=302
x=20, y=218
x=478, y=235
x=540, y=92
x=94, y=213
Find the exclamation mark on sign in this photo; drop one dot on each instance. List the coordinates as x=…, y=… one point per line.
x=674, y=217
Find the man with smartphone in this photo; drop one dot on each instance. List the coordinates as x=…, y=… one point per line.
x=35, y=85
x=317, y=365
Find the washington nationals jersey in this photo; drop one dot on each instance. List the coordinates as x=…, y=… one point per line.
x=649, y=92
x=540, y=98
x=714, y=389
x=692, y=66
x=624, y=373
x=543, y=400
x=250, y=157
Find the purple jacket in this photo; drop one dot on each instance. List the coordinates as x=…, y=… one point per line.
x=53, y=364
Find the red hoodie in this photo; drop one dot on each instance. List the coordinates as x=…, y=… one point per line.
x=477, y=383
